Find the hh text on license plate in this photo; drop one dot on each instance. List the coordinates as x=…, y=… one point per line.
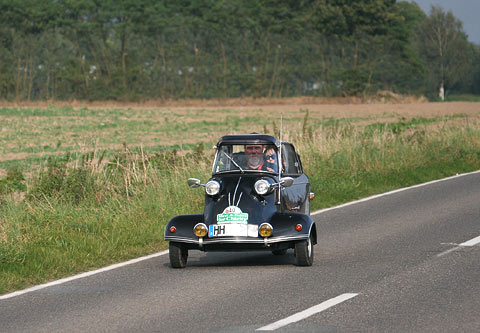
x=234, y=229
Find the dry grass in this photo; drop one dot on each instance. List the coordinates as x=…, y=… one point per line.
x=148, y=124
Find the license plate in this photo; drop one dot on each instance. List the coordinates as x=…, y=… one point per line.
x=234, y=229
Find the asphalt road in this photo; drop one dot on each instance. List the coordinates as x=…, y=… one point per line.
x=405, y=262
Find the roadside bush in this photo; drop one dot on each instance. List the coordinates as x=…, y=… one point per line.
x=14, y=181
x=60, y=181
x=164, y=160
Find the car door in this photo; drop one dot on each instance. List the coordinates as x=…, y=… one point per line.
x=295, y=197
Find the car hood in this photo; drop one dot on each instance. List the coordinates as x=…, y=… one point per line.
x=237, y=201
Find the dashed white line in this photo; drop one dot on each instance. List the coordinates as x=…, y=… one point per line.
x=471, y=242
x=449, y=251
x=308, y=312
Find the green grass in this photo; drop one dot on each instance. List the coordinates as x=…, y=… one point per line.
x=404, y=124
x=80, y=210
x=463, y=98
x=360, y=165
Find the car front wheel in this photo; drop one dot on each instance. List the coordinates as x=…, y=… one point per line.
x=178, y=255
x=304, y=252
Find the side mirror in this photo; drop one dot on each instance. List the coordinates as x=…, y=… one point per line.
x=286, y=181
x=193, y=182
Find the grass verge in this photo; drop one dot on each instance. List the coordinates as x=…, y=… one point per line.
x=83, y=212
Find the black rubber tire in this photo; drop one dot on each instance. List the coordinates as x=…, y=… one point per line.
x=304, y=252
x=279, y=252
x=178, y=255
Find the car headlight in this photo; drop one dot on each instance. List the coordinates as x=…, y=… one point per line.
x=265, y=229
x=212, y=187
x=200, y=230
x=262, y=186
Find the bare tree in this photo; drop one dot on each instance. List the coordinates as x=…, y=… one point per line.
x=445, y=48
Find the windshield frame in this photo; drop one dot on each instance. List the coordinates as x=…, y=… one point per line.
x=228, y=153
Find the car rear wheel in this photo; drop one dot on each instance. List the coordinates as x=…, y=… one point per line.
x=178, y=255
x=304, y=252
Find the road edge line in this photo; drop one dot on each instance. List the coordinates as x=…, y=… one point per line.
x=82, y=275
x=320, y=211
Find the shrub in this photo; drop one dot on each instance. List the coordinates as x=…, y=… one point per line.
x=63, y=182
x=14, y=181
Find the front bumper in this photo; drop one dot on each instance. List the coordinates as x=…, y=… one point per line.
x=284, y=234
x=236, y=240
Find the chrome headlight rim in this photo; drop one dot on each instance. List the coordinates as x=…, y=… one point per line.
x=262, y=186
x=269, y=228
x=212, y=187
x=204, y=230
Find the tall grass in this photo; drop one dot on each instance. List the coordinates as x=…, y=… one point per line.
x=87, y=213
x=349, y=162
x=80, y=212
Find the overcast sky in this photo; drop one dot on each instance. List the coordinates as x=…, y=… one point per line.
x=467, y=11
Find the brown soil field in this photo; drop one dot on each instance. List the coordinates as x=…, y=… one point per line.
x=382, y=96
x=391, y=104
x=318, y=107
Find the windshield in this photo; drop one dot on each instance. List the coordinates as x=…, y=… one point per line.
x=246, y=158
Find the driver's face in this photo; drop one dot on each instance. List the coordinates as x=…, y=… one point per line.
x=253, y=149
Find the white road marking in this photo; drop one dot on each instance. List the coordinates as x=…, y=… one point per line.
x=471, y=242
x=308, y=312
x=392, y=192
x=448, y=251
x=82, y=275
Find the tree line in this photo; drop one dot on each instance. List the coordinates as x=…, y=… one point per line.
x=171, y=49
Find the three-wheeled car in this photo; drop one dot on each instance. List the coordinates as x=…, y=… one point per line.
x=257, y=199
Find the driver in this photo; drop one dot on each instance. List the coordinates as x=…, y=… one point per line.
x=256, y=160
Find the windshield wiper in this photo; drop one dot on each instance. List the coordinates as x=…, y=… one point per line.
x=231, y=159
